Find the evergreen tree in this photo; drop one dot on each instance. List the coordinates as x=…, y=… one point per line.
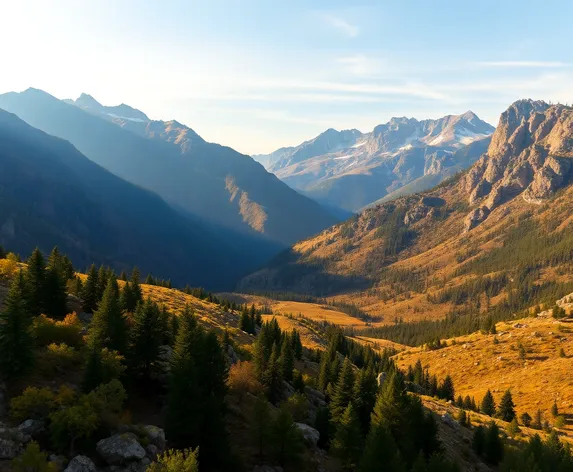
x=56, y=298
x=286, y=361
x=145, y=338
x=493, y=445
x=108, y=327
x=102, y=279
x=478, y=440
x=347, y=443
x=298, y=381
x=135, y=286
x=165, y=328
x=272, y=379
x=16, y=341
x=297, y=343
x=261, y=424
x=286, y=440
x=554, y=409
x=506, y=407
x=364, y=396
x=525, y=419
x=90, y=291
x=35, y=280
x=323, y=425
x=93, y=374
x=123, y=276
x=246, y=323
x=488, y=404
x=446, y=390
x=380, y=452
x=343, y=391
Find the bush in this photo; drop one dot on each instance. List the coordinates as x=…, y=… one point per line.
x=58, y=358
x=47, y=331
x=176, y=461
x=112, y=364
x=243, y=379
x=8, y=268
x=33, y=460
x=34, y=403
x=298, y=406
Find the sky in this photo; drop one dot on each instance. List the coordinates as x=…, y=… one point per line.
x=260, y=74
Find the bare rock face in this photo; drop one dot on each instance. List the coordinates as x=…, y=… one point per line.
x=121, y=448
x=475, y=217
x=310, y=435
x=529, y=155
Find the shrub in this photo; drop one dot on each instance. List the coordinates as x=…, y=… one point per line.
x=176, y=461
x=47, y=331
x=8, y=268
x=525, y=419
x=58, y=358
x=112, y=364
x=559, y=422
x=34, y=403
x=298, y=406
x=243, y=379
x=33, y=460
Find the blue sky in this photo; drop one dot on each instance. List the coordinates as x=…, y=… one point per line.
x=257, y=75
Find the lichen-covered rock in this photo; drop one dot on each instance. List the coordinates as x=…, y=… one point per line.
x=310, y=435
x=120, y=449
x=32, y=427
x=9, y=449
x=81, y=464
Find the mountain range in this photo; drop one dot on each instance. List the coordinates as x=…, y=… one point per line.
x=350, y=170
x=52, y=195
x=206, y=180
x=498, y=234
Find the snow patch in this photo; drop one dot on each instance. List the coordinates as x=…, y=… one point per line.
x=436, y=141
x=357, y=145
x=343, y=157
x=136, y=120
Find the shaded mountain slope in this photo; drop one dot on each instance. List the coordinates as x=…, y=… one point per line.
x=448, y=251
x=350, y=170
x=210, y=181
x=51, y=195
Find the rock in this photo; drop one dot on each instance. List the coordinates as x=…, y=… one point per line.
x=415, y=214
x=381, y=377
x=310, y=435
x=121, y=448
x=315, y=397
x=447, y=419
x=81, y=464
x=32, y=427
x=288, y=390
x=475, y=217
x=152, y=451
x=232, y=355
x=14, y=434
x=155, y=435
x=9, y=449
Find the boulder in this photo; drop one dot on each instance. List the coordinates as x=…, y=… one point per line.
x=381, y=377
x=310, y=435
x=120, y=449
x=475, y=217
x=155, y=435
x=81, y=464
x=9, y=449
x=447, y=419
x=32, y=427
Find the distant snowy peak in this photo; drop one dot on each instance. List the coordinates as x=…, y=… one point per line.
x=121, y=112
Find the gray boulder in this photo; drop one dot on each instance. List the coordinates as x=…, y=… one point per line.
x=156, y=436
x=81, y=464
x=9, y=449
x=120, y=449
x=310, y=435
x=381, y=377
x=32, y=427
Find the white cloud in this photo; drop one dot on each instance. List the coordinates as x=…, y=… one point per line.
x=340, y=24
x=522, y=64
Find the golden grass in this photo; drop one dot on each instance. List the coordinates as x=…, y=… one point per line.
x=476, y=364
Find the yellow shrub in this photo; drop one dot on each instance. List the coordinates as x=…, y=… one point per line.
x=176, y=461
x=34, y=403
x=48, y=331
x=58, y=358
x=8, y=268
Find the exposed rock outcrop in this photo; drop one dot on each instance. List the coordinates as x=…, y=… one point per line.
x=120, y=449
x=81, y=464
x=310, y=435
x=529, y=155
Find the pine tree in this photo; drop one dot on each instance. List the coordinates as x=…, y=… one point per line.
x=246, y=324
x=261, y=424
x=286, y=361
x=478, y=440
x=93, y=374
x=56, y=298
x=323, y=425
x=554, y=409
x=35, y=280
x=446, y=390
x=506, y=407
x=493, y=445
x=165, y=328
x=16, y=342
x=108, y=327
x=347, y=443
x=525, y=419
x=102, y=279
x=487, y=406
x=145, y=338
x=297, y=344
x=286, y=440
x=364, y=396
x=272, y=379
x=380, y=452
x=90, y=291
x=343, y=391
x=135, y=286
x=123, y=276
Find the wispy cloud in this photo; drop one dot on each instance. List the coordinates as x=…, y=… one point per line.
x=361, y=65
x=340, y=24
x=522, y=64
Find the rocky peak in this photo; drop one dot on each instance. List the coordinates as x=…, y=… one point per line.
x=86, y=100
x=529, y=155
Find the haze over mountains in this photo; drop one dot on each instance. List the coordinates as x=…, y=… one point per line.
x=350, y=170
x=212, y=182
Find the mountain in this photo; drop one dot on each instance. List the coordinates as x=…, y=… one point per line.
x=496, y=239
x=212, y=182
x=350, y=170
x=52, y=195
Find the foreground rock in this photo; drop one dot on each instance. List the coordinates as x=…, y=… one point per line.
x=81, y=464
x=310, y=435
x=9, y=449
x=120, y=449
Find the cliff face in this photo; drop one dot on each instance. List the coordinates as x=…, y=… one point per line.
x=529, y=156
